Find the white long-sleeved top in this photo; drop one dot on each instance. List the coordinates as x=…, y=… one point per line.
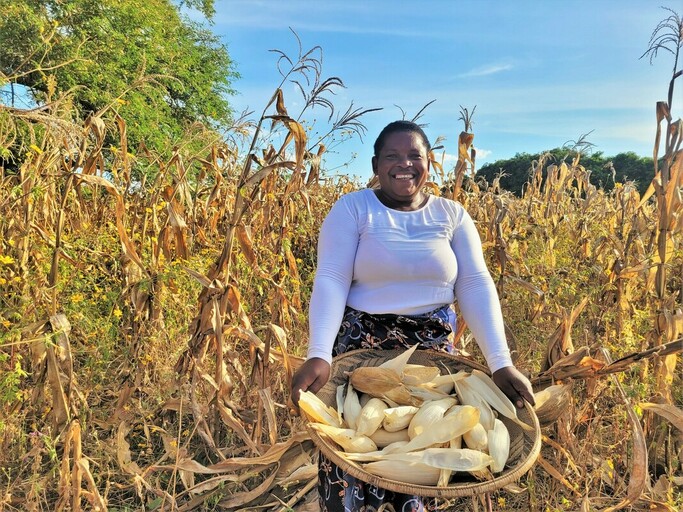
x=379, y=260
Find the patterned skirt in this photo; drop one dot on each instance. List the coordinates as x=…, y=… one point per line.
x=339, y=491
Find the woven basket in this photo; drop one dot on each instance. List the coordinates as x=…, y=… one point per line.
x=524, y=445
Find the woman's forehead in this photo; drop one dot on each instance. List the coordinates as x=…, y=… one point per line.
x=403, y=140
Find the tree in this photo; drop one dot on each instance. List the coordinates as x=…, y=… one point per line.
x=145, y=60
x=605, y=171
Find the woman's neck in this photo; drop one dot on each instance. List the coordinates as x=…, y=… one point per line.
x=409, y=205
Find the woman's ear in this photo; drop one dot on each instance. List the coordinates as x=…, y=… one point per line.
x=374, y=165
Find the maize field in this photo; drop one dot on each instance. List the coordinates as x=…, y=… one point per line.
x=153, y=310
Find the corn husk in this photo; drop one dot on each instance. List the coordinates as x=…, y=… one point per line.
x=442, y=431
x=417, y=374
x=317, y=411
x=398, y=418
x=489, y=391
x=499, y=446
x=352, y=407
x=398, y=363
x=415, y=473
x=348, y=439
x=476, y=438
x=428, y=414
x=468, y=396
x=382, y=437
x=374, y=381
x=371, y=416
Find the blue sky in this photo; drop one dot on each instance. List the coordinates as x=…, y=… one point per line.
x=540, y=73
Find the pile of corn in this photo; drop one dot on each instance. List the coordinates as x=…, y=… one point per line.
x=409, y=423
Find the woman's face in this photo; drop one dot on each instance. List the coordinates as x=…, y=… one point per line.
x=402, y=166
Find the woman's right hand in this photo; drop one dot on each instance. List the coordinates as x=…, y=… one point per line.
x=311, y=376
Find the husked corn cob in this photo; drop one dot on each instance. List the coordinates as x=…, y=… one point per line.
x=371, y=416
x=443, y=430
x=416, y=473
x=348, y=439
x=352, y=407
x=476, y=438
x=398, y=418
x=383, y=437
x=481, y=383
x=499, y=445
x=317, y=411
x=411, y=424
x=428, y=414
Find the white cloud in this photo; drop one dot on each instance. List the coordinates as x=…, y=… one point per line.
x=490, y=69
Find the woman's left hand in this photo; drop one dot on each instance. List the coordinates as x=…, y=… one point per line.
x=515, y=385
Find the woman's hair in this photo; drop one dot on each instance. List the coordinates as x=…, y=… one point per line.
x=399, y=126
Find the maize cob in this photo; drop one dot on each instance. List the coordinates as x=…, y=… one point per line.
x=374, y=381
x=443, y=383
x=489, y=391
x=441, y=431
x=382, y=437
x=352, y=407
x=398, y=418
x=462, y=459
x=428, y=414
x=316, y=410
x=416, y=374
x=371, y=416
x=499, y=445
x=400, y=395
x=415, y=473
x=348, y=439
x=468, y=396
x=476, y=438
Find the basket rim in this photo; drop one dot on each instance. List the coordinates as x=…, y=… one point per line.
x=458, y=489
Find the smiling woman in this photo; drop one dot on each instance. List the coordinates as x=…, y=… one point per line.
x=391, y=262
x=401, y=163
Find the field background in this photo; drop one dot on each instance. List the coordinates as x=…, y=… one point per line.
x=154, y=309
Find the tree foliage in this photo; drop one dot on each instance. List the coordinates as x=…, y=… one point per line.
x=144, y=60
x=605, y=171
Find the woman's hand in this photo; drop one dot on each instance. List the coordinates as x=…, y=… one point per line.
x=311, y=376
x=515, y=385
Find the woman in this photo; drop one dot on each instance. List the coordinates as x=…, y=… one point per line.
x=391, y=261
